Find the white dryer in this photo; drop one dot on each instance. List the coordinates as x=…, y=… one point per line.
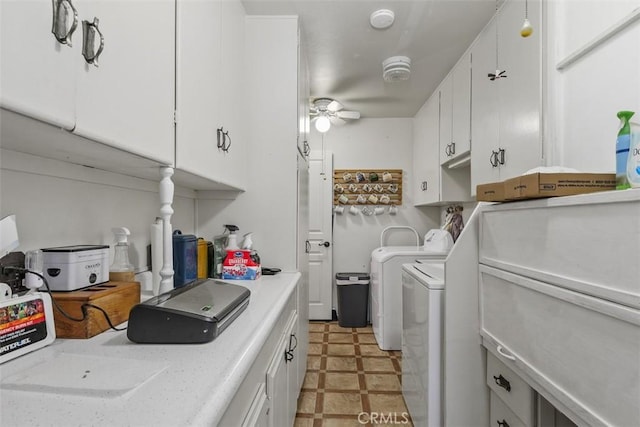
x=422, y=318
x=386, y=283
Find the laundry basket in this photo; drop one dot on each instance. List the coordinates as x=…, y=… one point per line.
x=353, y=299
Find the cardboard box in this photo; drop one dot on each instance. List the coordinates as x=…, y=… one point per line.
x=240, y=265
x=490, y=192
x=539, y=185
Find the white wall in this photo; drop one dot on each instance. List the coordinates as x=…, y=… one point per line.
x=583, y=98
x=58, y=204
x=373, y=144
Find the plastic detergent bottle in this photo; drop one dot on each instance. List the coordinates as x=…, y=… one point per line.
x=121, y=270
x=622, y=149
x=633, y=162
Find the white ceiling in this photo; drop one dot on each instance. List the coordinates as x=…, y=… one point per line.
x=345, y=52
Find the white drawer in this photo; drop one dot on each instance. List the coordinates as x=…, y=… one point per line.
x=583, y=350
x=501, y=416
x=570, y=243
x=511, y=389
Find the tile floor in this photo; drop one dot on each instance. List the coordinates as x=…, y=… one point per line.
x=350, y=381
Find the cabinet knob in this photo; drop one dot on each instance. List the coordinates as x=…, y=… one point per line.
x=91, y=36
x=61, y=28
x=325, y=244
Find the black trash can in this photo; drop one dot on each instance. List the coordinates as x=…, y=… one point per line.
x=353, y=299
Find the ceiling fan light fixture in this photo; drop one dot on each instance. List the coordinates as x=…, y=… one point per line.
x=396, y=68
x=323, y=124
x=382, y=19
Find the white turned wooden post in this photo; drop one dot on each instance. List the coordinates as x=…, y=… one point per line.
x=166, y=199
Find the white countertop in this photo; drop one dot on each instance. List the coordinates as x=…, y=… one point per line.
x=151, y=384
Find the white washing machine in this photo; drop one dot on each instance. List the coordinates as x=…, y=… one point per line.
x=386, y=283
x=422, y=314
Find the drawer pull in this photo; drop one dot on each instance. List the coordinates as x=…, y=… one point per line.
x=502, y=382
x=503, y=354
x=502, y=423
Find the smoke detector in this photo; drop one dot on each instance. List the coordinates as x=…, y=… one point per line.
x=382, y=19
x=396, y=68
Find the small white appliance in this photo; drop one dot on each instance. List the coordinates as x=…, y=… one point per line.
x=386, y=283
x=68, y=268
x=422, y=330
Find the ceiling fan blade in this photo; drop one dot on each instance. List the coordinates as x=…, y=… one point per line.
x=348, y=114
x=337, y=121
x=334, y=106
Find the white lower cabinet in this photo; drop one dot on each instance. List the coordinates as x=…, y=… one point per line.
x=258, y=415
x=571, y=333
x=282, y=378
x=268, y=394
x=512, y=399
x=582, y=350
x=501, y=415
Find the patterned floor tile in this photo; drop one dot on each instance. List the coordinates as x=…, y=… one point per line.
x=350, y=382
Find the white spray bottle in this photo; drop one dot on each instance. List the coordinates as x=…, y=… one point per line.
x=121, y=270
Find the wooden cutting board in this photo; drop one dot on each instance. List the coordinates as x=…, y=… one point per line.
x=115, y=298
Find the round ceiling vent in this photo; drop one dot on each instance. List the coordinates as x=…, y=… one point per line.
x=382, y=19
x=396, y=68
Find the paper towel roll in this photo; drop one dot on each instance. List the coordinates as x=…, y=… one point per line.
x=156, y=254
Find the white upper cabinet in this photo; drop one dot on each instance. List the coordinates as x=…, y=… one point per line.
x=434, y=184
x=426, y=165
x=455, y=113
x=127, y=101
x=506, y=111
x=209, y=130
x=37, y=73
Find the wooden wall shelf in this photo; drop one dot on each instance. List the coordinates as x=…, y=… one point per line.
x=378, y=187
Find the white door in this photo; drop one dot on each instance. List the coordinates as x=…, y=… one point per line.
x=320, y=234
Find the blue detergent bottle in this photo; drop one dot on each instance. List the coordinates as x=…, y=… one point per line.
x=622, y=149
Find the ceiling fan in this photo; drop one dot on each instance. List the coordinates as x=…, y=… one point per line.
x=327, y=111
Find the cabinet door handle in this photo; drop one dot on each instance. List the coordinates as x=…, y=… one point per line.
x=224, y=140
x=307, y=247
x=295, y=342
x=493, y=158
x=501, y=154
x=60, y=28
x=307, y=148
x=453, y=148
x=502, y=353
x=91, y=33
x=447, y=150
x=424, y=186
x=502, y=382
x=502, y=423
